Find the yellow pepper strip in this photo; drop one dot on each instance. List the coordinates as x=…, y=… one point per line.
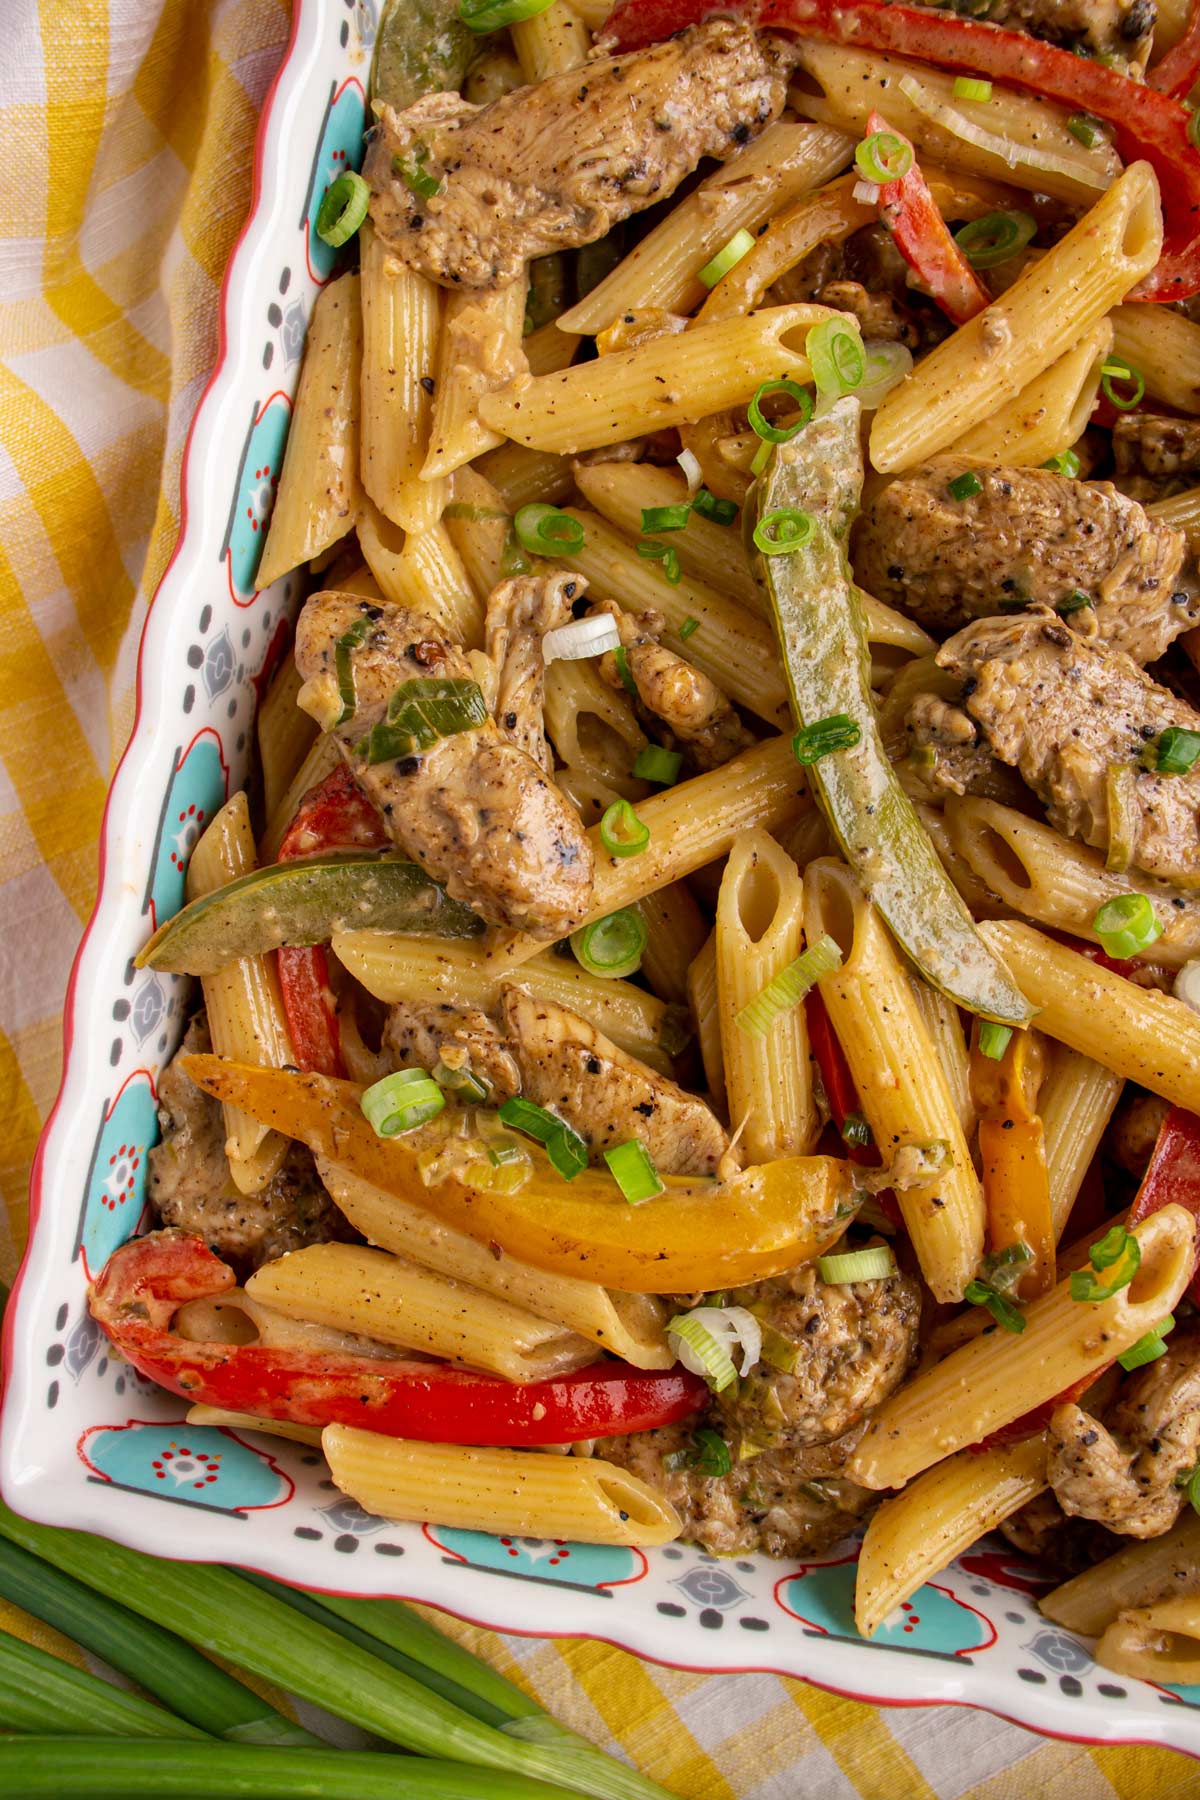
x=1012, y=1148
x=695, y=1236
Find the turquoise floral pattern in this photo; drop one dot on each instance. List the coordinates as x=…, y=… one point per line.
x=195, y=1465
x=199, y=787
x=115, y=1195
x=254, y=498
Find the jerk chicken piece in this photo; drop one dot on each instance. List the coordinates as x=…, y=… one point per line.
x=421, y=1033
x=1027, y=538
x=191, y=1188
x=1043, y=1530
x=1122, y=1473
x=786, y=1502
x=519, y=614
x=474, y=810
x=961, y=762
x=698, y=716
x=1117, y=31
x=1133, y=1131
x=1155, y=456
x=1065, y=711
x=555, y=166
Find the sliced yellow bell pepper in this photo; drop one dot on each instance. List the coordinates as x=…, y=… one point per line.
x=1012, y=1149
x=695, y=1236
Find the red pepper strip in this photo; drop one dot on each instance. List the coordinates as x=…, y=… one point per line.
x=1172, y=1174
x=1146, y=124
x=923, y=239
x=143, y=1285
x=1179, y=70
x=334, y=815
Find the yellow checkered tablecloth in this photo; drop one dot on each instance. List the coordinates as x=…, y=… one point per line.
x=128, y=127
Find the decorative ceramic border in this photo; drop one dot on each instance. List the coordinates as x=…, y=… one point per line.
x=86, y=1441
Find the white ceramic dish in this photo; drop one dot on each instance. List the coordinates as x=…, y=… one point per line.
x=88, y=1443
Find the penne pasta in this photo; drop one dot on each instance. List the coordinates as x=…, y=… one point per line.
x=423, y=571
x=396, y=1301
x=759, y=932
x=705, y=1005
x=1142, y=1573
x=522, y=476
x=321, y=761
x=1144, y=1035
x=1159, y=1643
x=1076, y=1102
x=518, y=1493
x=318, y=494
x=1182, y=512
x=999, y=1375
x=1049, y=413
x=236, y=1421
x=902, y=1088
x=480, y=528
x=285, y=734
x=551, y=42
x=1164, y=347
x=940, y=1514
x=550, y=348
x=990, y=359
x=943, y=1022
x=479, y=351
x=400, y=335
x=592, y=726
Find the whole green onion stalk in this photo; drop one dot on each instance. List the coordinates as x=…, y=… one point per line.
x=39, y=1692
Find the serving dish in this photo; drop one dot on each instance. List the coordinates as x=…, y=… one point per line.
x=85, y=1441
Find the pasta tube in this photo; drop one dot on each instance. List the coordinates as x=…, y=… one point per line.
x=1165, y=347
x=521, y=476
x=400, y=336
x=1161, y=1568
x=1049, y=414
x=592, y=726
x=519, y=1493
x=1159, y=1643
x=422, y=570
x=551, y=42
x=1076, y=1102
x=321, y=761
x=1182, y=511
x=702, y=993
x=285, y=734
x=236, y=1421
x=480, y=350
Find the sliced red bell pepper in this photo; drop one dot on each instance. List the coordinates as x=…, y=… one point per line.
x=1146, y=124
x=1172, y=1174
x=1179, y=70
x=334, y=815
x=143, y=1285
x=923, y=239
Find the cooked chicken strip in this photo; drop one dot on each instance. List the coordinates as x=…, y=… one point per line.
x=1028, y=537
x=1122, y=1473
x=557, y=165
x=606, y=1094
x=1155, y=456
x=961, y=761
x=421, y=1033
x=1134, y=1128
x=474, y=810
x=695, y=712
x=519, y=614
x=1062, y=709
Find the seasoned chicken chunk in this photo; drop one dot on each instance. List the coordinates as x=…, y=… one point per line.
x=959, y=761
x=1133, y=1131
x=419, y=1034
x=1122, y=1473
x=519, y=614
x=1027, y=538
x=698, y=716
x=606, y=1094
x=1064, y=711
x=191, y=1187
x=473, y=809
x=1154, y=455
x=787, y=1502
x=847, y=1344
x=1114, y=30
x=557, y=165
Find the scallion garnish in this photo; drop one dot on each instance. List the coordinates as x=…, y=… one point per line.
x=464, y=1082
x=612, y=946
x=343, y=208
x=409, y=165
x=656, y=764
x=856, y=1132
x=761, y=457
x=783, y=530
x=621, y=658
x=568, y=1152
x=968, y=87
x=547, y=531
x=705, y=1338
x=708, y=1454
x=1085, y=130
x=1126, y=925
x=420, y=713
x=788, y=988
x=838, y=732
x=836, y=357
x=652, y=551
x=688, y=627
x=1066, y=463
x=345, y=668
x=581, y=638
x=1119, y=1250
x=996, y=238
x=721, y=512
x=883, y=157
x=401, y=1101
x=873, y=1264
x=762, y=426
x=1075, y=602
x=1176, y=750
x=1115, y=369
x=513, y=559
x=621, y=831
x=666, y=518
x=634, y=1172
x=1002, y=1309
x=494, y=15
x=1149, y=1348
x=994, y=1039
x=965, y=486
x=730, y=253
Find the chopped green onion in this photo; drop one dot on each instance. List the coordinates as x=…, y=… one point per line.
x=343, y=208
x=856, y=1132
x=621, y=658
x=761, y=458
x=1066, y=463
x=1085, y=130
x=824, y=736
x=1002, y=1269
x=721, y=512
x=762, y=427
x=666, y=518
x=1177, y=750
x=1149, y=1348
x=715, y=1362
x=348, y=641
x=1117, y=370
x=965, y=486
x=788, y=988
x=1075, y=602
x=656, y=764
x=652, y=551
x=883, y=157
x=1126, y=925
x=688, y=627
x=463, y=1082
x=966, y=87
x=1124, y=815
x=567, y=1151
x=836, y=357
x=420, y=713
x=732, y=252
x=547, y=531
x=996, y=238
x=994, y=1039
x=714, y=1458
x=982, y=1293
x=513, y=560
x=1117, y=1248
x=621, y=831
x=401, y=1101
x=1189, y=1481
x=874, y=1264
x=783, y=531
x=612, y=946
x=409, y=168
x=633, y=1171
x=494, y=15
